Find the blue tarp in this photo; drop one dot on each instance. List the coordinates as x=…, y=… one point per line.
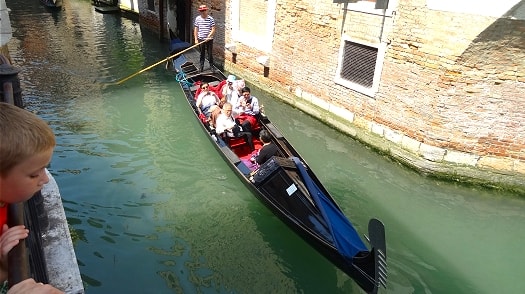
x=347, y=240
x=177, y=45
x=179, y=62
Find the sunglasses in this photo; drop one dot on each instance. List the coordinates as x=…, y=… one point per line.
x=205, y=87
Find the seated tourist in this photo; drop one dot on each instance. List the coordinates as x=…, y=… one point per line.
x=229, y=92
x=206, y=100
x=248, y=104
x=268, y=149
x=227, y=126
x=247, y=108
x=215, y=112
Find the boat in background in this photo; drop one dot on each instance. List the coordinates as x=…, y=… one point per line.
x=52, y=4
x=106, y=6
x=287, y=185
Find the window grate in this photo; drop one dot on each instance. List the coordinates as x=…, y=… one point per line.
x=359, y=62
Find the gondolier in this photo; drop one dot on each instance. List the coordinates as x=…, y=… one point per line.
x=204, y=29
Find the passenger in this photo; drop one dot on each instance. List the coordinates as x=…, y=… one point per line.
x=26, y=148
x=268, y=149
x=227, y=126
x=248, y=103
x=247, y=108
x=238, y=85
x=229, y=93
x=206, y=99
x=215, y=112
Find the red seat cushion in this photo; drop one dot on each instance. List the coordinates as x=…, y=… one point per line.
x=236, y=142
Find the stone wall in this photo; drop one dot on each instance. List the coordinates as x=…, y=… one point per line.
x=148, y=17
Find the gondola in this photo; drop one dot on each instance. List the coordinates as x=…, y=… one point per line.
x=288, y=186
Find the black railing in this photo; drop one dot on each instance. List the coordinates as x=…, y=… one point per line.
x=28, y=255
x=18, y=255
x=36, y=221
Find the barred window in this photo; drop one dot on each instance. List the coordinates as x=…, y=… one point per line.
x=358, y=65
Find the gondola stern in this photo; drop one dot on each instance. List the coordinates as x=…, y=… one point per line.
x=371, y=269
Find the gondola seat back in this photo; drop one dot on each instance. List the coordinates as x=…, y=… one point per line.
x=182, y=65
x=278, y=180
x=266, y=171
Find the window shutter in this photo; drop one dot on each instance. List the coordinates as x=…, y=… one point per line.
x=359, y=62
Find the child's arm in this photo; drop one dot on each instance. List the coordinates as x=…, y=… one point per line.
x=30, y=286
x=10, y=238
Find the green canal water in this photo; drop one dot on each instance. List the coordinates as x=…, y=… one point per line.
x=158, y=211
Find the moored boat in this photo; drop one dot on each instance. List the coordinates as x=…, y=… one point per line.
x=288, y=186
x=52, y=4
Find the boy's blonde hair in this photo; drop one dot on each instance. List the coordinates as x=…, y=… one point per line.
x=22, y=134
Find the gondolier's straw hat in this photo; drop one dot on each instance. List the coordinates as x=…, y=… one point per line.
x=203, y=7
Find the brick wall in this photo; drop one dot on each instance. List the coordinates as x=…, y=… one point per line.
x=458, y=80
x=450, y=81
x=452, y=87
x=147, y=17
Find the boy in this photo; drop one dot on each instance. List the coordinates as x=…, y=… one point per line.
x=26, y=147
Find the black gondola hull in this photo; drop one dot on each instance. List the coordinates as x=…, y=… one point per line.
x=283, y=191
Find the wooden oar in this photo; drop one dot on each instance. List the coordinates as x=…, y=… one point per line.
x=161, y=61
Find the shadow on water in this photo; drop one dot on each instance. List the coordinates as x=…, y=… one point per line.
x=442, y=237
x=309, y=270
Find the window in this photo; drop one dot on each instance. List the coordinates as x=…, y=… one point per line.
x=360, y=66
x=151, y=5
x=359, y=62
x=253, y=22
x=379, y=7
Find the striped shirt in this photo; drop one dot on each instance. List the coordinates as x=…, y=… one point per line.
x=203, y=26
